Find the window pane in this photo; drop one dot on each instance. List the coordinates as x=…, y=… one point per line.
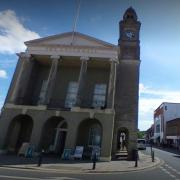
x=99, y=96
x=71, y=94
x=94, y=136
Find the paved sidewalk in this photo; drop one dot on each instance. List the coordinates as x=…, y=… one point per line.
x=144, y=162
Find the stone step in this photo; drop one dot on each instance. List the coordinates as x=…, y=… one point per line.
x=121, y=158
x=121, y=155
x=121, y=152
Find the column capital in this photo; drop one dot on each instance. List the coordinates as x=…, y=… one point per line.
x=55, y=57
x=84, y=58
x=24, y=55
x=114, y=59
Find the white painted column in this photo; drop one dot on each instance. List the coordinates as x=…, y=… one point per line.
x=82, y=80
x=51, y=80
x=111, y=86
x=22, y=77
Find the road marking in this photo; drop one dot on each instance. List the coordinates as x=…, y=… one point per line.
x=63, y=178
x=173, y=169
x=28, y=178
x=169, y=173
x=19, y=177
x=172, y=175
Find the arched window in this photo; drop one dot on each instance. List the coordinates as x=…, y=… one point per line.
x=94, y=135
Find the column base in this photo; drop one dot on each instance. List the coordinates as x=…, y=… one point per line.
x=42, y=107
x=76, y=108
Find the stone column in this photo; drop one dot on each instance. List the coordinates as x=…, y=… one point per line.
x=111, y=87
x=51, y=80
x=23, y=76
x=81, y=81
x=72, y=133
x=107, y=122
x=37, y=132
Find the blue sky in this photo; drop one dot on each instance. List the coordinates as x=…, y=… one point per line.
x=22, y=20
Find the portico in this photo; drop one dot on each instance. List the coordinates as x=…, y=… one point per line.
x=86, y=91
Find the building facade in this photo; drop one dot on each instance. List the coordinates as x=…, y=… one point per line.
x=173, y=133
x=163, y=117
x=150, y=134
x=73, y=90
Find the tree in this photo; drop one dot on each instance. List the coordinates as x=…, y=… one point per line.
x=141, y=134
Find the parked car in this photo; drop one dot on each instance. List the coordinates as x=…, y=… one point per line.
x=141, y=143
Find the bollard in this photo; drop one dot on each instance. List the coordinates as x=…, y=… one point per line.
x=40, y=159
x=136, y=158
x=94, y=161
x=151, y=149
x=152, y=156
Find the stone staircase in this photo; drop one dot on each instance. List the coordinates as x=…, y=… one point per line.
x=121, y=154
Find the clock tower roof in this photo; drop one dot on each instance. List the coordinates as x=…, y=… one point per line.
x=130, y=15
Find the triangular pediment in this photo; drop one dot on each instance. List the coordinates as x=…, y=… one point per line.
x=70, y=38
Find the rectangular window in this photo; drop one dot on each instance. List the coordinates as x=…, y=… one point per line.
x=99, y=96
x=71, y=94
x=158, y=128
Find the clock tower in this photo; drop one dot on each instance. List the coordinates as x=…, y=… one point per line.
x=127, y=84
x=129, y=35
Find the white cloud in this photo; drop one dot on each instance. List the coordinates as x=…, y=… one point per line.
x=150, y=99
x=13, y=33
x=3, y=73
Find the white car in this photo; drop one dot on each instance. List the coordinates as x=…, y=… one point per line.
x=141, y=143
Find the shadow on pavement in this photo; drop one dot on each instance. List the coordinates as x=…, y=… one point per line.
x=16, y=160
x=177, y=156
x=171, y=150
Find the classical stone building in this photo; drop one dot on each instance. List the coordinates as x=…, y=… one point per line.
x=73, y=90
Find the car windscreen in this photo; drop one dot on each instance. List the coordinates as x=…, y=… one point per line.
x=141, y=141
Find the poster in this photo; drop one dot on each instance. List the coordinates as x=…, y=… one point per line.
x=78, y=152
x=66, y=154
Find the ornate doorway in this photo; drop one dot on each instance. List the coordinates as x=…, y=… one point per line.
x=122, y=139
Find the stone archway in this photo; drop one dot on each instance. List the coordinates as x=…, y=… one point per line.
x=54, y=135
x=89, y=135
x=122, y=139
x=19, y=131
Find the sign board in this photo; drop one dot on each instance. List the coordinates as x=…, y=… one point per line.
x=29, y=152
x=78, y=152
x=23, y=149
x=66, y=154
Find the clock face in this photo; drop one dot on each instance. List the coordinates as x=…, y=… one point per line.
x=129, y=34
